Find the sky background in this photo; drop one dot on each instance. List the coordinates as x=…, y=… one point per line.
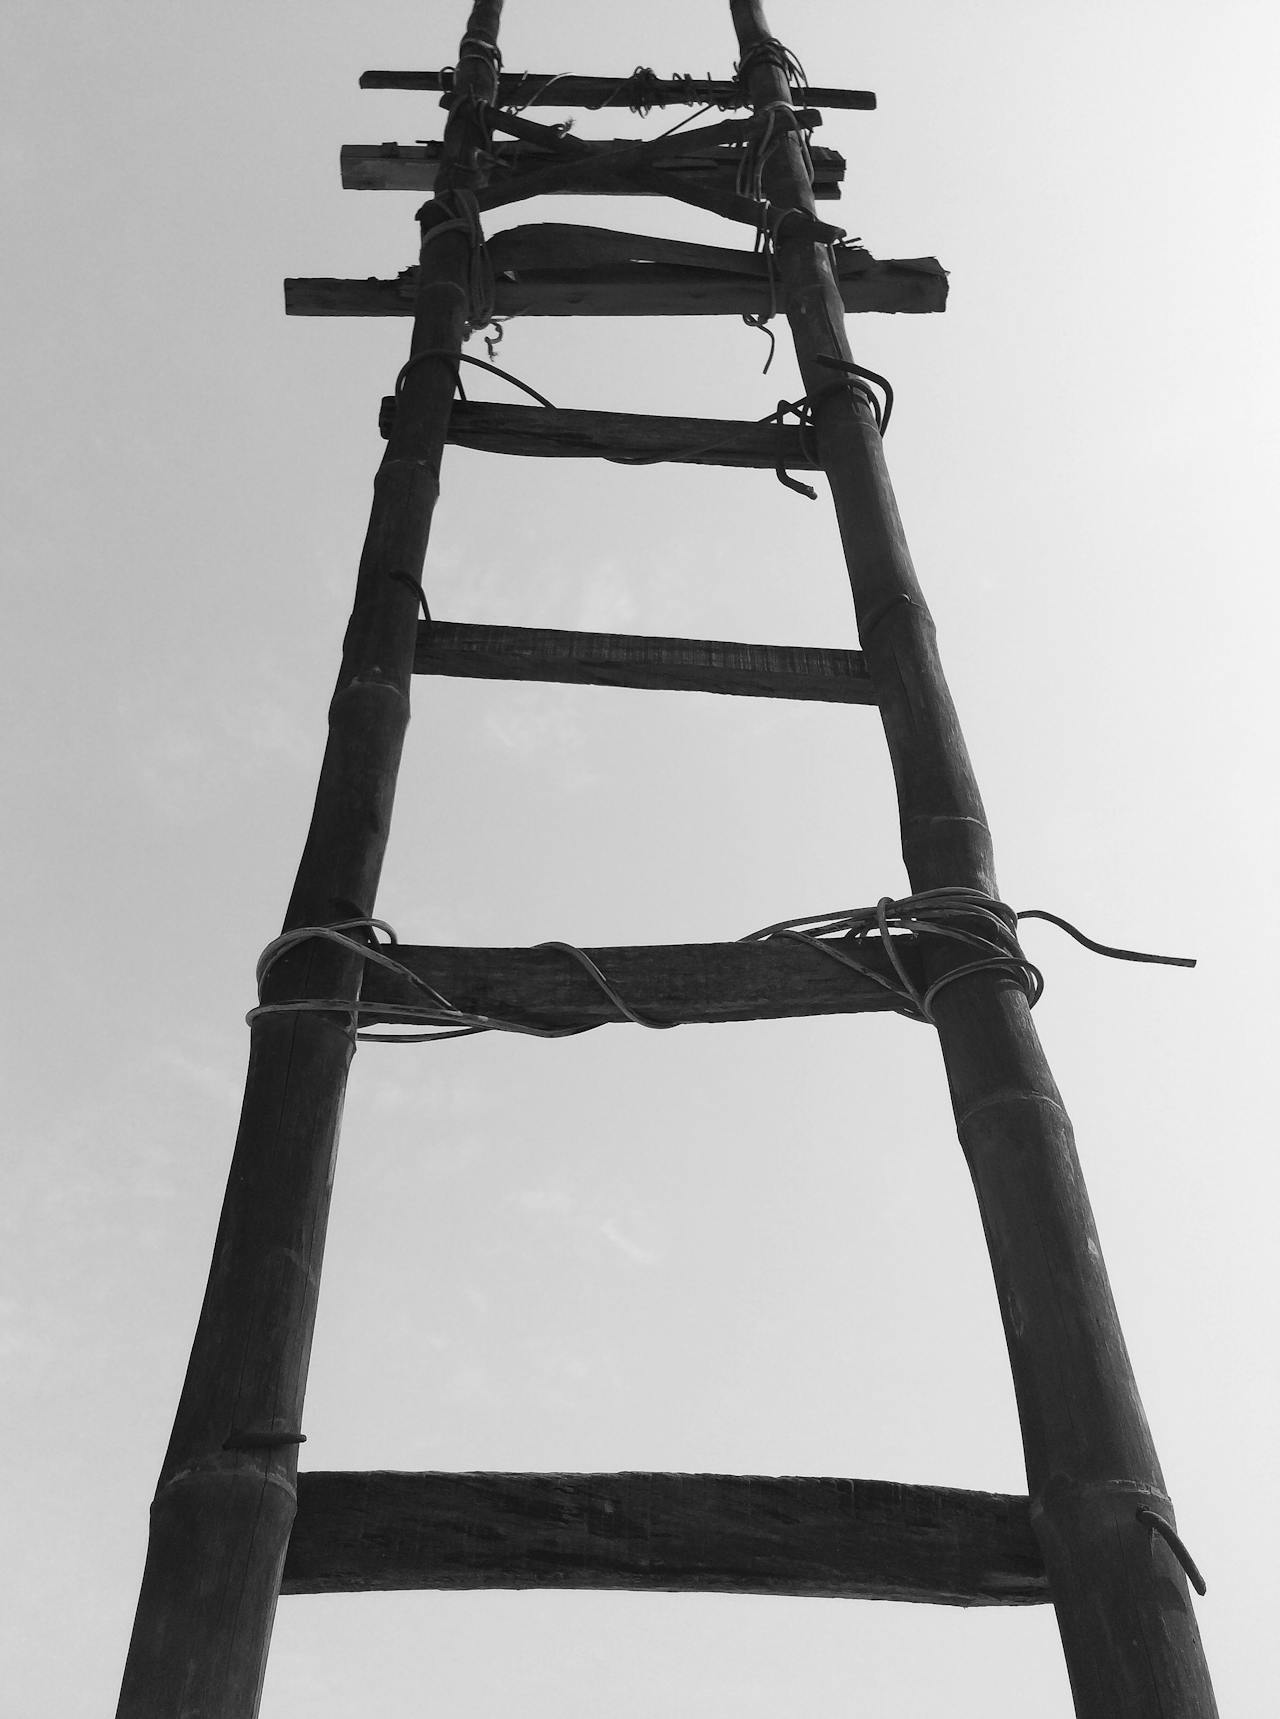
x=749, y=1250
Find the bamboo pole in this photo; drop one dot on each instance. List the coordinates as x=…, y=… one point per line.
x=226, y=1497
x=1129, y=1633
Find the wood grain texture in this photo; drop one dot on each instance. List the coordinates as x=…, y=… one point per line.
x=630, y=438
x=413, y=166
x=690, y=983
x=550, y=89
x=667, y=1533
x=910, y=286
x=655, y=664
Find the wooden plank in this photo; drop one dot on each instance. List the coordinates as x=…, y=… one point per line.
x=692, y=983
x=916, y=286
x=655, y=664
x=226, y=1499
x=1126, y=1618
x=628, y=437
x=665, y=1533
x=551, y=89
x=413, y=166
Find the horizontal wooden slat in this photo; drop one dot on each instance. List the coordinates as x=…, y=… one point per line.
x=671, y=1533
x=557, y=269
x=413, y=166
x=694, y=983
x=657, y=664
x=539, y=89
x=624, y=289
x=628, y=437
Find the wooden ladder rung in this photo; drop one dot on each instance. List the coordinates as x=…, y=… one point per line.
x=691, y=983
x=413, y=166
x=630, y=438
x=549, y=89
x=654, y=664
x=910, y=286
x=671, y=1533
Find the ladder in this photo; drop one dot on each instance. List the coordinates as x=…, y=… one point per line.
x=233, y=1523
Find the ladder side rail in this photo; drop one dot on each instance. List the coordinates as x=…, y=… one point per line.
x=1129, y=1633
x=226, y=1498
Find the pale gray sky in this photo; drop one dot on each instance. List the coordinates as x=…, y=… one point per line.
x=749, y=1249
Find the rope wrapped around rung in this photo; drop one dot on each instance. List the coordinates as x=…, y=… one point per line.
x=983, y=927
x=976, y=922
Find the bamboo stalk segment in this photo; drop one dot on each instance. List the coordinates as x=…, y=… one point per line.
x=1129, y=1632
x=413, y=166
x=553, y=89
x=654, y=664
x=667, y=983
x=226, y=1496
x=666, y=1533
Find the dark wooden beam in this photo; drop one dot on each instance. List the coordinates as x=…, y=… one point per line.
x=655, y=664
x=915, y=286
x=225, y=1503
x=1126, y=1618
x=690, y=983
x=666, y=1533
x=632, y=438
x=548, y=89
x=413, y=166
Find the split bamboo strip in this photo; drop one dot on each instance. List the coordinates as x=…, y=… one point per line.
x=806, y=672
x=541, y=432
x=665, y=983
x=226, y=1498
x=1129, y=1632
x=553, y=89
x=665, y=1533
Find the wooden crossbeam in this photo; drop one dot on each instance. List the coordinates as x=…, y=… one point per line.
x=548, y=89
x=667, y=1533
x=629, y=437
x=690, y=983
x=413, y=167
x=915, y=286
x=655, y=664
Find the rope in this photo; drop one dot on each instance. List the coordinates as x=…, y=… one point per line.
x=977, y=922
x=769, y=51
x=462, y=215
x=965, y=916
x=466, y=358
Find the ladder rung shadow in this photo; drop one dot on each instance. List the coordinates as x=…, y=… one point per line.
x=669, y=1533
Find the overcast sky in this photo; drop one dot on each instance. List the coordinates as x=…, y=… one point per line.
x=750, y=1250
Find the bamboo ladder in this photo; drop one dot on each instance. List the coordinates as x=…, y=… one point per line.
x=232, y=1521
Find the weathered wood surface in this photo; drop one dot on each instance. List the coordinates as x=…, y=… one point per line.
x=656, y=664
x=550, y=89
x=669, y=1533
x=1127, y=1621
x=913, y=286
x=226, y=1497
x=626, y=437
x=692, y=983
x=413, y=166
